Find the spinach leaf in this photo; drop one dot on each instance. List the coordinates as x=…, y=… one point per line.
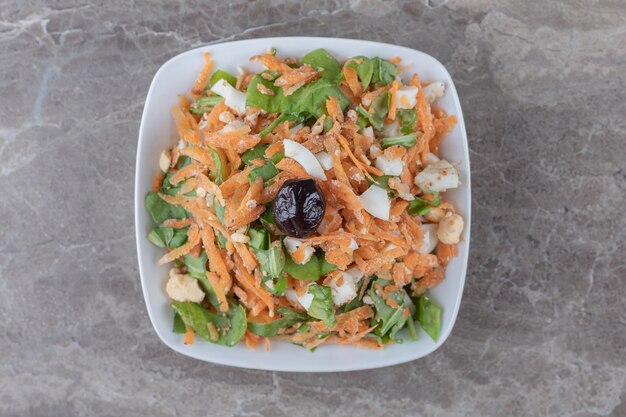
x=220, y=210
x=322, y=305
x=271, y=261
x=259, y=238
x=390, y=320
x=429, y=317
x=324, y=63
x=267, y=172
x=219, y=167
x=383, y=71
x=254, y=98
x=179, y=326
x=422, y=206
x=408, y=119
x=365, y=71
x=326, y=267
x=280, y=286
x=288, y=319
x=204, y=104
x=380, y=108
x=258, y=152
x=196, y=267
x=179, y=237
x=310, y=100
x=381, y=180
x=309, y=271
x=410, y=328
x=155, y=238
x=168, y=237
x=222, y=75
x=230, y=327
x=161, y=210
x=407, y=141
x=268, y=215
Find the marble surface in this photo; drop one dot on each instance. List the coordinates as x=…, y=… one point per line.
x=542, y=327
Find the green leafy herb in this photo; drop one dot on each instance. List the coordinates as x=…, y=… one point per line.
x=272, y=260
x=204, y=104
x=267, y=217
x=407, y=141
x=421, y=206
x=259, y=238
x=324, y=63
x=307, y=101
x=258, y=152
x=365, y=71
x=288, y=319
x=155, y=238
x=381, y=180
x=160, y=210
x=407, y=119
x=309, y=271
x=322, y=305
x=220, y=210
x=196, y=267
x=216, y=176
x=230, y=327
x=380, y=108
x=429, y=317
x=266, y=172
x=390, y=320
x=222, y=75
x=326, y=267
x=179, y=237
x=383, y=71
x=410, y=328
x=179, y=326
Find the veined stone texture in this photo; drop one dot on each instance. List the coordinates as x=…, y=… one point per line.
x=542, y=325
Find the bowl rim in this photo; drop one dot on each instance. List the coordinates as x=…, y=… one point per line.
x=138, y=205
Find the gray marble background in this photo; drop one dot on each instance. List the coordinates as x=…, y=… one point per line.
x=542, y=327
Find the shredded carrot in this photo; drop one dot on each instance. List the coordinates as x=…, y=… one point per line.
x=219, y=291
x=193, y=237
x=157, y=183
x=392, y=102
x=203, y=77
x=189, y=336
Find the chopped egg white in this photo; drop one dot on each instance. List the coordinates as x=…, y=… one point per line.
x=406, y=97
x=434, y=90
x=164, y=161
x=325, y=160
x=389, y=167
x=182, y=287
x=391, y=129
x=430, y=158
x=439, y=176
x=295, y=129
x=233, y=98
x=305, y=158
x=292, y=244
x=376, y=202
x=355, y=273
x=343, y=292
x=353, y=244
x=305, y=301
x=232, y=126
x=369, y=132
x=429, y=238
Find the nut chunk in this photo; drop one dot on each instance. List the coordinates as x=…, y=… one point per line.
x=183, y=287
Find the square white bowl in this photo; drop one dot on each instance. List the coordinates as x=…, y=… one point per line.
x=158, y=132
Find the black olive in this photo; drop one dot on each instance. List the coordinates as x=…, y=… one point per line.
x=299, y=208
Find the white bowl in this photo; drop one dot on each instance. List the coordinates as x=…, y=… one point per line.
x=158, y=132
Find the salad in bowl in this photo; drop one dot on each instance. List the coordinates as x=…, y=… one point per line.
x=306, y=202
